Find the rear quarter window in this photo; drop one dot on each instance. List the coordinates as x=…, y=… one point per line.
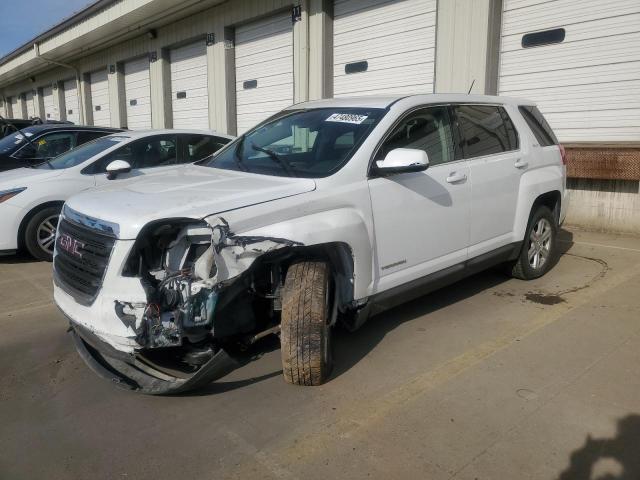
x=538, y=125
x=485, y=130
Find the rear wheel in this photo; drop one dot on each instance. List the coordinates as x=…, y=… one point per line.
x=40, y=233
x=539, y=248
x=305, y=334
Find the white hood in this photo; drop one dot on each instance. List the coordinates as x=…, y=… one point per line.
x=23, y=177
x=187, y=191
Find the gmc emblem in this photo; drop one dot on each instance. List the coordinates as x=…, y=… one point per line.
x=70, y=245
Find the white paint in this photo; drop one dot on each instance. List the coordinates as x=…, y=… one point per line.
x=100, y=98
x=71, y=101
x=50, y=110
x=137, y=87
x=396, y=38
x=31, y=106
x=588, y=86
x=189, y=75
x=264, y=54
x=15, y=107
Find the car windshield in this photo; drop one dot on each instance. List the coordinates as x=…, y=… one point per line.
x=81, y=154
x=11, y=142
x=301, y=143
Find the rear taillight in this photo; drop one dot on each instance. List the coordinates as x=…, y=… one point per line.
x=563, y=154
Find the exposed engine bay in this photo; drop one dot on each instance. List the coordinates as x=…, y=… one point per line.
x=204, y=290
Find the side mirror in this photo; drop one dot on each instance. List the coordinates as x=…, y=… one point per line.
x=403, y=160
x=116, y=167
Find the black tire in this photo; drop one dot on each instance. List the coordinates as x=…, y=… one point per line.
x=305, y=335
x=525, y=268
x=34, y=233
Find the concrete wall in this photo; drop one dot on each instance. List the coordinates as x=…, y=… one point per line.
x=611, y=205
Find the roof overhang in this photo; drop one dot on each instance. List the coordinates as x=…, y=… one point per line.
x=102, y=24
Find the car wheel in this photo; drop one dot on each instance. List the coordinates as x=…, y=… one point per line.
x=305, y=334
x=539, y=247
x=40, y=233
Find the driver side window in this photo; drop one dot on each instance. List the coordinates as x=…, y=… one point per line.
x=427, y=129
x=158, y=151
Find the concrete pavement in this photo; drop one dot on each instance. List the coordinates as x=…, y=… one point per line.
x=490, y=378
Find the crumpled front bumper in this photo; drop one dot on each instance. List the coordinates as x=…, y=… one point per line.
x=130, y=372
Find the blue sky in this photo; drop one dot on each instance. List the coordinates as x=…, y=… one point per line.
x=21, y=20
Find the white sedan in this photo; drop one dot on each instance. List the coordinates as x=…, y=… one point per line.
x=31, y=198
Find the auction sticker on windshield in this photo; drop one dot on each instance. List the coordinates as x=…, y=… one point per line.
x=347, y=118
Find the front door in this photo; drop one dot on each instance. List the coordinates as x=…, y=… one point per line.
x=421, y=219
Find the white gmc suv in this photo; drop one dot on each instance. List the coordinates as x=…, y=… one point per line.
x=326, y=213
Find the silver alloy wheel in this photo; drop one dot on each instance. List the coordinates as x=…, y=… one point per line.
x=46, y=233
x=539, y=244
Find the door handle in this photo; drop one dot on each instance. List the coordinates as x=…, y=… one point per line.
x=455, y=177
x=521, y=163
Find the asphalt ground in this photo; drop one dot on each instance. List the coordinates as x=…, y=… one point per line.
x=489, y=378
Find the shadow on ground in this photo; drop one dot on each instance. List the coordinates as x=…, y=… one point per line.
x=616, y=458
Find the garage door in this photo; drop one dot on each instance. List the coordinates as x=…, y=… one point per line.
x=16, y=108
x=31, y=106
x=383, y=47
x=50, y=110
x=100, y=98
x=71, y=101
x=189, y=91
x=579, y=61
x=137, y=87
x=264, y=69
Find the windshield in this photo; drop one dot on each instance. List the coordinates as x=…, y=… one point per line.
x=11, y=142
x=81, y=154
x=301, y=143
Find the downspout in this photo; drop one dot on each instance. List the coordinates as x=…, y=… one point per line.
x=36, y=49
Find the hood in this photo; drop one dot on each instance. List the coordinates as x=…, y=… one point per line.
x=23, y=177
x=188, y=191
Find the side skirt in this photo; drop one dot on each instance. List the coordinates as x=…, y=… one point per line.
x=421, y=286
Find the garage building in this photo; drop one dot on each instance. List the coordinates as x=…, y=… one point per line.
x=226, y=66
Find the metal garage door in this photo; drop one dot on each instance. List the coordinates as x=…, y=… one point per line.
x=189, y=91
x=71, y=101
x=100, y=98
x=16, y=108
x=383, y=47
x=586, y=79
x=31, y=106
x=264, y=69
x=137, y=87
x=50, y=111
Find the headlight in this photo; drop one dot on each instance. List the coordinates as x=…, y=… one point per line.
x=7, y=194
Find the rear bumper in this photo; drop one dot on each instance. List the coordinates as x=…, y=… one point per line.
x=130, y=372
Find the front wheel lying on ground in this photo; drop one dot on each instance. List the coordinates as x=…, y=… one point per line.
x=539, y=249
x=306, y=324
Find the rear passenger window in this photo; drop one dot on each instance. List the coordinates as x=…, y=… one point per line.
x=538, y=125
x=427, y=129
x=201, y=146
x=485, y=130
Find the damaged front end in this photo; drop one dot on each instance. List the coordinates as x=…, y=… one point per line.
x=211, y=295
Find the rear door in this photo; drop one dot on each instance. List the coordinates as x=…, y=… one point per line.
x=490, y=144
x=421, y=219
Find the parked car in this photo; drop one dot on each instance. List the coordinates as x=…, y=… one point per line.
x=328, y=212
x=12, y=125
x=31, y=198
x=38, y=143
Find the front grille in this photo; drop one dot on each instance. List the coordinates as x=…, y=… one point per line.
x=82, y=256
